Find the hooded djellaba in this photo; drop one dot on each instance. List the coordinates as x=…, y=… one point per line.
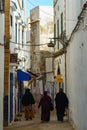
x=45, y=107
x=61, y=101
x=27, y=102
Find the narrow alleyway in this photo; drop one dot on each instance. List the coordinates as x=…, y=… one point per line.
x=36, y=124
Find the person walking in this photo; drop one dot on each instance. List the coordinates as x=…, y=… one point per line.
x=45, y=107
x=61, y=102
x=27, y=102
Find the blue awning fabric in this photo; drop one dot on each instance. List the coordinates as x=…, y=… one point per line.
x=23, y=76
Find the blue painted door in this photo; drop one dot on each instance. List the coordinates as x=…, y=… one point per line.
x=11, y=97
x=20, y=94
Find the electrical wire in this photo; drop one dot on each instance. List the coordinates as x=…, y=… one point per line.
x=28, y=45
x=21, y=50
x=40, y=9
x=72, y=20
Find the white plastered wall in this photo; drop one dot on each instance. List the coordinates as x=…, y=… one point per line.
x=1, y=69
x=77, y=77
x=1, y=85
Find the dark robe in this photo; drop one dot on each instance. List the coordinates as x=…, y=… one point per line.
x=61, y=102
x=27, y=101
x=45, y=107
x=27, y=98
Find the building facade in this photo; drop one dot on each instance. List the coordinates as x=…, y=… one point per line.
x=41, y=21
x=2, y=61
x=75, y=60
x=59, y=41
x=14, y=46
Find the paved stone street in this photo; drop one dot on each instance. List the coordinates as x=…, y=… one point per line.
x=36, y=124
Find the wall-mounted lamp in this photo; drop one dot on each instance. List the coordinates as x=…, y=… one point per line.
x=51, y=44
x=60, y=39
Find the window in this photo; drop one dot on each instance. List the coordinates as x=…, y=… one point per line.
x=22, y=3
x=61, y=23
x=22, y=37
x=16, y=32
x=19, y=37
x=58, y=32
x=54, y=33
x=11, y=20
x=1, y=5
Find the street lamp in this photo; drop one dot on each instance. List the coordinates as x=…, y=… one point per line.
x=51, y=44
x=62, y=39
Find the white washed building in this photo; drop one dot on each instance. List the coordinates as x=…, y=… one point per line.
x=17, y=59
x=76, y=24
x=17, y=29
x=1, y=67
x=59, y=35
x=17, y=41
x=76, y=70
x=1, y=62
x=41, y=21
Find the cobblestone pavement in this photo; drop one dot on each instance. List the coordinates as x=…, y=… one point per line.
x=36, y=124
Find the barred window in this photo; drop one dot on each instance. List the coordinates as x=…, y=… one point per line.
x=11, y=20
x=1, y=5
x=61, y=23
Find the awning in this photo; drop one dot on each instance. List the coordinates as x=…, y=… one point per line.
x=23, y=76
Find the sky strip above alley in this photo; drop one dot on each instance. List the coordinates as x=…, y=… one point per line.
x=33, y=3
